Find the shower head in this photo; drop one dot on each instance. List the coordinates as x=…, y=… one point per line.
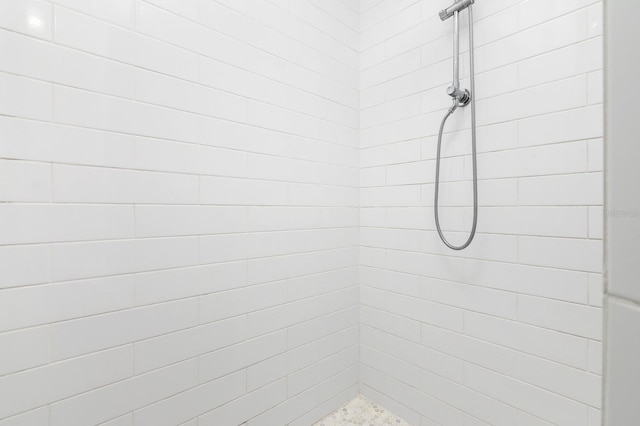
x=456, y=7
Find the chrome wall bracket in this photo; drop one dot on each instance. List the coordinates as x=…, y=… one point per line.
x=463, y=97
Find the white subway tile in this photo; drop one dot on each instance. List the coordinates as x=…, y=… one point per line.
x=596, y=357
x=579, y=320
x=562, y=126
x=24, y=265
x=170, y=348
x=531, y=15
x=568, y=222
x=390, y=69
x=270, y=369
x=171, y=284
x=31, y=223
x=596, y=155
x=160, y=155
x=92, y=35
x=398, y=239
x=422, y=310
x=579, y=255
x=330, y=366
x=552, y=34
x=392, y=323
x=191, y=403
x=234, y=358
x=85, y=109
x=283, y=218
x=31, y=17
x=283, y=120
x=572, y=383
x=185, y=96
x=106, y=185
x=126, y=420
x=323, y=108
x=540, y=100
x=33, y=388
x=595, y=20
x=496, y=82
x=322, y=195
x=232, y=79
x=283, y=169
x=23, y=181
x=327, y=23
x=39, y=416
x=390, y=154
x=476, y=351
x=325, y=282
x=555, y=346
x=535, y=161
x=424, y=403
x=43, y=304
x=230, y=303
x=400, y=217
x=470, y=298
x=339, y=92
x=24, y=97
x=497, y=26
x=301, y=404
x=595, y=416
x=163, y=221
x=295, y=313
x=424, y=357
x=321, y=326
x=247, y=406
x=93, y=259
x=230, y=191
x=596, y=290
x=395, y=407
x=111, y=401
x=395, y=23
x=85, y=335
x=582, y=189
x=401, y=196
x=33, y=58
x=119, y=12
x=580, y=58
x=24, y=349
x=550, y=283
x=187, y=8
x=39, y=141
x=549, y=406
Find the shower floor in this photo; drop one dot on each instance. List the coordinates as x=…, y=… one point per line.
x=361, y=411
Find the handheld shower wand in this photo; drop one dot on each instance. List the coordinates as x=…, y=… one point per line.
x=461, y=98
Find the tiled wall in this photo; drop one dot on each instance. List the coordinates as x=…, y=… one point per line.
x=178, y=211
x=622, y=219
x=509, y=331
x=179, y=204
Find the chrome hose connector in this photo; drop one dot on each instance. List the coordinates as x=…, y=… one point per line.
x=463, y=97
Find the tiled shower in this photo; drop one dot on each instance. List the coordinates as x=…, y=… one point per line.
x=220, y=212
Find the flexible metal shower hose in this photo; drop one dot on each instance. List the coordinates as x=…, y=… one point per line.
x=473, y=150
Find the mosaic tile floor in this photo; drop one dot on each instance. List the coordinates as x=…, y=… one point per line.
x=361, y=412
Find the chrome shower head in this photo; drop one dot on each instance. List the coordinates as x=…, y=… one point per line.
x=456, y=7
